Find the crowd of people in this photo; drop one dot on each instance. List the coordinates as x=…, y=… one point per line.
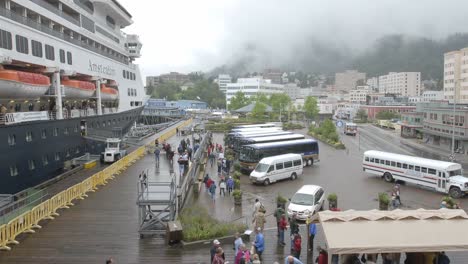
x=224, y=182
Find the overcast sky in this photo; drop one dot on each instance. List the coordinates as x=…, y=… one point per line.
x=189, y=35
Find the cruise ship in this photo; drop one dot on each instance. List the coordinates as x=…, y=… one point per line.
x=66, y=74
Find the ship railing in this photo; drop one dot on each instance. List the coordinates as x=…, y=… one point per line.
x=57, y=11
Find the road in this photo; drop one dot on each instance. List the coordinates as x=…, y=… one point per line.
x=340, y=172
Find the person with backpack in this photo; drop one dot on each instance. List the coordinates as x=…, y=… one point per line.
x=259, y=220
x=297, y=246
x=243, y=255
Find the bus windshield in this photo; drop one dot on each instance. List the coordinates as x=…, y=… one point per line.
x=303, y=199
x=262, y=167
x=455, y=173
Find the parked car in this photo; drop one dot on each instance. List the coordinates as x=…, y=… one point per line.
x=307, y=201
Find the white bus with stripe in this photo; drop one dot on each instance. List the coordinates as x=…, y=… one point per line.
x=442, y=176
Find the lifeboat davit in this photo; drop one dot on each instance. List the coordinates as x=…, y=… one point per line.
x=78, y=89
x=24, y=85
x=108, y=94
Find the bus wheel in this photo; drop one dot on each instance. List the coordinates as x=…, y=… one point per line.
x=266, y=182
x=455, y=192
x=293, y=176
x=388, y=177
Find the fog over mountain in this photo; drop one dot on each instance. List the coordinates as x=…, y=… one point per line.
x=333, y=35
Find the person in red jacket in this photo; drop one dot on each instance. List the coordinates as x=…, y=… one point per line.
x=282, y=227
x=297, y=246
x=322, y=257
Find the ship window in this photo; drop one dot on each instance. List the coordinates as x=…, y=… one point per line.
x=132, y=103
x=75, y=129
x=103, y=123
x=31, y=165
x=127, y=75
x=55, y=132
x=69, y=58
x=36, y=48
x=13, y=170
x=57, y=156
x=5, y=40
x=49, y=52
x=11, y=140
x=129, y=92
x=110, y=21
x=62, y=55
x=22, y=44
x=45, y=160
x=123, y=73
x=43, y=134
x=29, y=136
x=108, y=122
x=65, y=131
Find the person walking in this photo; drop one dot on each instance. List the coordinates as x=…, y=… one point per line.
x=259, y=220
x=256, y=207
x=243, y=255
x=218, y=257
x=157, y=151
x=259, y=243
x=322, y=258
x=213, y=191
x=278, y=214
x=219, y=163
x=396, y=189
x=292, y=260
x=282, y=227
x=297, y=246
x=230, y=185
x=214, y=247
x=312, y=233
x=222, y=187
x=177, y=131
x=237, y=243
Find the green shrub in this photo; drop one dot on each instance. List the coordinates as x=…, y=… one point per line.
x=332, y=197
x=237, y=166
x=281, y=199
x=384, y=198
x=237, y=194
x=199, y=225
x=450, y=201
x=236, y=175
x=236, y=184
x=290, y=126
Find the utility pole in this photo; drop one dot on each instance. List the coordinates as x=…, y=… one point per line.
x=452, y=156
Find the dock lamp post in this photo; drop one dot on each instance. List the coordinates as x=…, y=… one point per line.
x=452, y=155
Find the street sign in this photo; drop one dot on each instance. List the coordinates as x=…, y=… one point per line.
x=339, y=123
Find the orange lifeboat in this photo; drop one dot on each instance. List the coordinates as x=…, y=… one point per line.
x=22, y=85
x=108, y=94
x=78, y=89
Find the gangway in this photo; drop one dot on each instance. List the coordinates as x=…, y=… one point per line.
x=157, y=203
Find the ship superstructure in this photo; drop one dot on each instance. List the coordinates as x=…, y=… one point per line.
x=66, y=71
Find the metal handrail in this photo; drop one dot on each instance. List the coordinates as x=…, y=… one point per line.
x=57, y=11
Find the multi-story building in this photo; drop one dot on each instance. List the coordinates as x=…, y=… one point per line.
x=373, y=83
x=373, y=110
x=429, y=96
x=276, y=76
x=152, y=80
x=251, y=87
x=411, y=125
x=438, y=128
x=345, y=81
x=456, y=76
x=223, y=80
x=359, y=95
x=401, y=83
x=175, y=77
x=292, y=90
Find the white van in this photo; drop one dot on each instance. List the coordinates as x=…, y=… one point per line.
x=275, y=168
x=307, y=201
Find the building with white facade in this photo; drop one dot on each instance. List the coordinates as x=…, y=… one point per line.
x=456, y=76
x=401, y=83
x=373, y=83
x=292, y=90
x=429, y=96
x=345, y=81
x=359, y=95
x=251, y=87
x=223, y=80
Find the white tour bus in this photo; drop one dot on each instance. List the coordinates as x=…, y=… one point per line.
x=442, y=176
x=275, y=168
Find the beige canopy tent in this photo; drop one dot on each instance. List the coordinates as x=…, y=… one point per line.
x=353, y=232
